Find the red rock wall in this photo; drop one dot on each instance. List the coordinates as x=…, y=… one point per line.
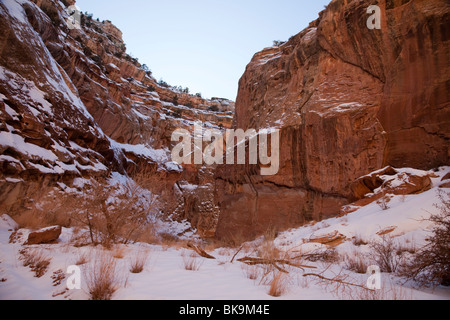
x=348, y=101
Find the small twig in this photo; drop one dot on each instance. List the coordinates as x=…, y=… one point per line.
x=237, y=252
x=254, y=261
x=271, y=261
x=336, y=280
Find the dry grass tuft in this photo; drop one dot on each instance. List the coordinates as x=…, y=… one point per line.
x=359, y=241
x=118, y=252
x=279, y=285
x=191, y=262
x=138, y=261
x=82, y=259
x=251, y=272
x=102, y=277
x=356, y=262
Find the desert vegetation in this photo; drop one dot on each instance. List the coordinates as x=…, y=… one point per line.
x=430, y=265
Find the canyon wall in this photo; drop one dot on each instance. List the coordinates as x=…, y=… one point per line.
x=348, y=100
x=74, y=104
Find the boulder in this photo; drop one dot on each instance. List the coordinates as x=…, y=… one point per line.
x=46, y=235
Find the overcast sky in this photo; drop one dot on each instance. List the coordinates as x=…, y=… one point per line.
x=203, y=44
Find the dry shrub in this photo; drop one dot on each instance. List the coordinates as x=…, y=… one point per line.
x=359, y=241
x=103, y=277
x=387, y=254
x=138, y=261
x=112, y=214
x=430, y=265
x=383, y=202
x=36, y=260
x=267, y=249
x=79, y=237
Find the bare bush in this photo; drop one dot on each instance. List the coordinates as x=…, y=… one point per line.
x=383, y=202
x=387, y=254
x=113, y=213
x=431, y=264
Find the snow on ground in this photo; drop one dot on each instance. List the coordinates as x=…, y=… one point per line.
x=165, y=276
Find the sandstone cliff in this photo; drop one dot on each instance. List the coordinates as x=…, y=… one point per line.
x=348, y=101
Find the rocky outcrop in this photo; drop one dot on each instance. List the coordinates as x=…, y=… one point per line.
x=382, y=184
x=393, y=181
x=46, y=133
x=348, y=101
x=74, y=104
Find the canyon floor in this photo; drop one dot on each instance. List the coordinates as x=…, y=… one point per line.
x=165, y=273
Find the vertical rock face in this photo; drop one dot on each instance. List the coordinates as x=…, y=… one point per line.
x=410, y=56
x=348, y=100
